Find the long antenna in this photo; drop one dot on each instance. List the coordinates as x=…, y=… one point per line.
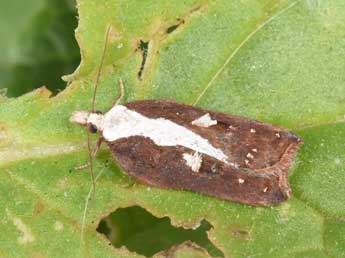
x=100, y=67
x=93, y=107
x=91, y=161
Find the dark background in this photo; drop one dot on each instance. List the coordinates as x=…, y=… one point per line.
x=37, y=44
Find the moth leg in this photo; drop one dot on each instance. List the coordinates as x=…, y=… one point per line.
x=93, y=154
x=97, y=147
x=122, y=93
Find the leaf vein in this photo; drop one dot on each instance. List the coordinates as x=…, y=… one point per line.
x=233, y=54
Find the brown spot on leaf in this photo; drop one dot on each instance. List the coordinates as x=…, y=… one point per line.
x=38, y=208
x=3, y=134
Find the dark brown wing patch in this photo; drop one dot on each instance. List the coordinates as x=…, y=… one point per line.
x=165, y=167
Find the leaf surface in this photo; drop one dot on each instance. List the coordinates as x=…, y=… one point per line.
x=276, y=61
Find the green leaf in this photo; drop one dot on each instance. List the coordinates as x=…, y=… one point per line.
x=276, y=61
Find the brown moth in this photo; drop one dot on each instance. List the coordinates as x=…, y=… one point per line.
x=171, y=145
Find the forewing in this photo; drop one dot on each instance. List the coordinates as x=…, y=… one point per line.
x=256, y=147
x=260, y=155
x=164, y=167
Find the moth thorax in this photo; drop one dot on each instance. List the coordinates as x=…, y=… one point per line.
x=85, y=118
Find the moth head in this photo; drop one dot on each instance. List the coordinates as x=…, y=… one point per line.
x=93, y=121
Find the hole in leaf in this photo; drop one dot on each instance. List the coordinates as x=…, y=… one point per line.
x=172, y=28
x=143, y=47
x=141, y=232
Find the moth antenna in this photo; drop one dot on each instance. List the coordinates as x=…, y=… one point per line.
x=86, y=206
x=100, y=68
x=93, y=106
x=122, y=93
x=91, y=163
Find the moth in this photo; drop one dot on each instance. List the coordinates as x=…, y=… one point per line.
x=166, y=144
x=171, y=145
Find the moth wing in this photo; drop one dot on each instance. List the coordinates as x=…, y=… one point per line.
x=261, y=155
x=165, y=167
x=256, y=147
